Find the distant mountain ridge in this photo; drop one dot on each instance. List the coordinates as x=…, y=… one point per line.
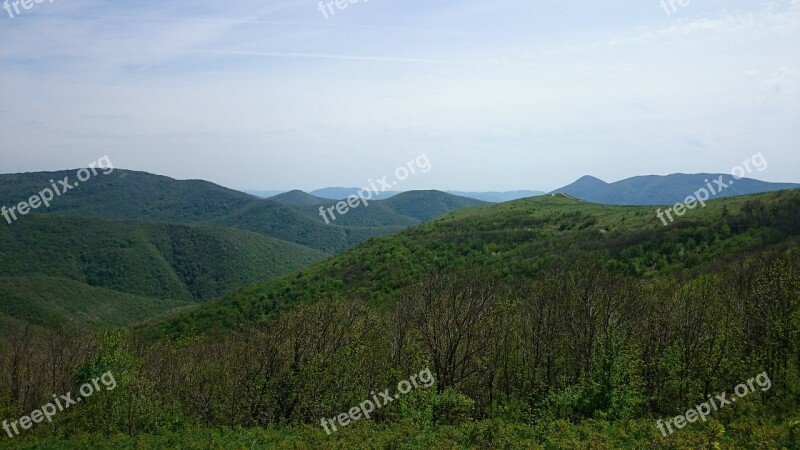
x=336, y=193
x=665, y=189
x=125, y=194
x=401, y=210
x=497, y=197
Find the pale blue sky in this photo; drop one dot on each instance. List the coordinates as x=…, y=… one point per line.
x=501, y=94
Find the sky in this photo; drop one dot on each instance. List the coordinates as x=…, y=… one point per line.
x=498, y=95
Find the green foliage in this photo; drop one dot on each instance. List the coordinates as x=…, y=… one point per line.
x=51, y=302
x=124, y=194
x=148, y=259
x=105, y=272
x=452, y=407
x=597, y=434
x=541, y=332
x=517, y=241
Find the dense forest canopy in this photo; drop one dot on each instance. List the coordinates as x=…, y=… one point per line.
x=537, y=327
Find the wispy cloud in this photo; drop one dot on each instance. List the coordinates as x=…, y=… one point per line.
x=536, y=92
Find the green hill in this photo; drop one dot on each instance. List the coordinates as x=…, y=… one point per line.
x=53, y=302
x=517, y=241
x=294, y=217
x=124, y=194
x=426, y=205
x=402, y=210
x=155, y=260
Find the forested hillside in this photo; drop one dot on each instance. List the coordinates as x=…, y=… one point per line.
x=54, y=266
x=292, y=217
x=546, y=322
x=54, y=302
x=155, y=260
x=518, y=241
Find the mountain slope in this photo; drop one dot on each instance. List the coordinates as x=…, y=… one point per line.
x=517, y=240
x=664, y=190
x=155, y=260
x=426, y=205
x=51, y=302
x=124, y=194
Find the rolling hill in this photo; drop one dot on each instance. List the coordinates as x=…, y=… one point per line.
x=516, y=240
x=334, y=193
x=159, y=243
x=664, y=190
x=292, y=217
x=155, y=260
x=124, y=194
x=400, y=211
x=426, y=205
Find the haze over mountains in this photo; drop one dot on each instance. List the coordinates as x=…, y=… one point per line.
x=664, y=190
x=640, y=190
x=489, y=197
x=159, y=243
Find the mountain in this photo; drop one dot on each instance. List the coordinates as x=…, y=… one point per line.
x=489, y=197
x=517, y=240
x=159, y=243
x=298, y=198
x=426, y=205
x=340, y=193
x=124, y=194
x=402, y=210
x=665, y=190
x=497, y=197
